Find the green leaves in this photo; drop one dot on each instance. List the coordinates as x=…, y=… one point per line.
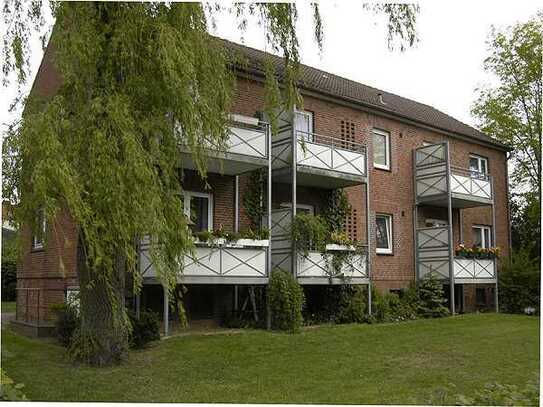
x=511, y=110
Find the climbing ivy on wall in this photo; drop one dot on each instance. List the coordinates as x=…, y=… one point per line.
x=253, y=198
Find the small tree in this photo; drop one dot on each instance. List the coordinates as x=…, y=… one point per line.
x=286, y=299
x=432, y=301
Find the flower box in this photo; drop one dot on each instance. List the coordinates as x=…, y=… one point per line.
x=332, y=247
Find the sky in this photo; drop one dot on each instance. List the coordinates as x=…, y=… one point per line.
x=443, y=69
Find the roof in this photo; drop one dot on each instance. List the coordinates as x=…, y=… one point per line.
x=338, y=87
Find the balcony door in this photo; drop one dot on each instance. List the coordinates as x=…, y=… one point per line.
x=198, y=208
x=303, y=125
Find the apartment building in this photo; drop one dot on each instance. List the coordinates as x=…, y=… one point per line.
x=420, y=184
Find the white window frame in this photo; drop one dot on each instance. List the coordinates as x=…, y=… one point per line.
x=479, y=159
x=38, y=243
x=187, y=195
x=309, y=208
x=389, y=226
x=484, y=243
x=309, y=135
x=385, y=134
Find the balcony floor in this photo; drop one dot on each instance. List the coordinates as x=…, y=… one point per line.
x=460, y=201
x=318, y=178
x=226, y=163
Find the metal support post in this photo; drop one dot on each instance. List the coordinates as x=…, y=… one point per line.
x=368, y=232
x=269, y=201
x=236, y=204
x=449, y=210
x=494, y=244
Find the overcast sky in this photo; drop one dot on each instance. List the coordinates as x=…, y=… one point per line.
x=443, y=70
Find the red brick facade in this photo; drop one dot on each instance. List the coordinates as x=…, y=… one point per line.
x=52, y=270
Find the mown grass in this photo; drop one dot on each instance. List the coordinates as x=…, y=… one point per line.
x=7, y=306
x=362, y=364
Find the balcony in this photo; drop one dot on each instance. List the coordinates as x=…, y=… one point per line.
x=432, y=255
x=240, y=262
x=434, y=177
x=321, y=161
x=315, y=267
x=246, y=148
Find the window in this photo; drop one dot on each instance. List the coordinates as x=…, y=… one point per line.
x=38, y=238
x=198, y=208
x=381, y=149
x=482, y=237
x=303, y=124
x=383, y=233
x=478, y=166
x=427, y=143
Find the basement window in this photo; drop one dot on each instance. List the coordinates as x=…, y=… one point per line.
x=198, y=208
x=383, y=233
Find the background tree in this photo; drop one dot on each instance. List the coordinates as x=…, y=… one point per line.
x=511, y=112
x=138, y=79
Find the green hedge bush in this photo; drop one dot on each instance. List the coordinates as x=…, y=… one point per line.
x=519, y=283
x=145, y=329
x=286, y=299
x=67, y=321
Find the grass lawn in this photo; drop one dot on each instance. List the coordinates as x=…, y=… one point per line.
x=362, y=364
x=7, y=306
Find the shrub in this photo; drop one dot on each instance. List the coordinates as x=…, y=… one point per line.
x=493, y=394
x=9, y=390
x=431, y=300
x=519, y=283
x=309, y=232
x=145, y=329
x=67, y=321
x=353, y=304
x=9, y=271
x=286, y=299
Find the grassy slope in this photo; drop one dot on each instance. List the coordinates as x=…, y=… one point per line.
x=363, y=364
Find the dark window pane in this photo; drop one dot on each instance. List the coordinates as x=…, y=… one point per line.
x=199, y=213
x=382, y=233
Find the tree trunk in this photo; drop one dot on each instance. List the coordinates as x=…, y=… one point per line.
x=104, y=332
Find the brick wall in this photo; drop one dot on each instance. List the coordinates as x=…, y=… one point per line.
x=44, y=274
x=391, y=192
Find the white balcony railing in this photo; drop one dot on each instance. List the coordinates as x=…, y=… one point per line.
x=318, y=265
x=470, y=184
x=246, y=137
x=243, y=259
x=321, y=152
x=474, y=268
x=431, y=172
x=432, y=247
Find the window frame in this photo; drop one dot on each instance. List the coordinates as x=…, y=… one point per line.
x=484, y=243
x=479, y=159
x=386, y=134
x=187, y=195
x=389, y=227
x=37, y=242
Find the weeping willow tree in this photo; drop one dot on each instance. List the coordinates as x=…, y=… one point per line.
x=138, y=80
